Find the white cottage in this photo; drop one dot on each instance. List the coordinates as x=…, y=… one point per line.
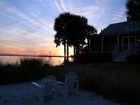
x=119, y=39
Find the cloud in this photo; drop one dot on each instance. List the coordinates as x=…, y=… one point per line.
x=39, y=48
x=57, y=5
x=32, y=19
x=93, y=11
x=119, y=15
x=89, y=11
x=25, y=42
x=27, y=26
x=62, y=5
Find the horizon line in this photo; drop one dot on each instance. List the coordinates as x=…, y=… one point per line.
x=26, y=55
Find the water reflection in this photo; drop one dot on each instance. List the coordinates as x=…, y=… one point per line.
x=15, y=59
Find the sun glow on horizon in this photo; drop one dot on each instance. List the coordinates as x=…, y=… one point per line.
x=60, y=51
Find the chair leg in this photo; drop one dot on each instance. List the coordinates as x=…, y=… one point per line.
x=55, y=93
x=66, y=92
x=42, y=99
x=77, y=88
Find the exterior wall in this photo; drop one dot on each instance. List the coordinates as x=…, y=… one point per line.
x=128, y=41
x=109, y=43
x=102, y=44
x=138, y=41
x=95, y=45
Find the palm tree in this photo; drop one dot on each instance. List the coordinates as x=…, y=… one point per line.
x=60, y=27
x=76, y=32
x=133, y=9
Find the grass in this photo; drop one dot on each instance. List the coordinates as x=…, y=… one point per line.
x=27, y=69
x=116, y=81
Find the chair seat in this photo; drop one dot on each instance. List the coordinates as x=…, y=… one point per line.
x=48, y=88
x=70, y=84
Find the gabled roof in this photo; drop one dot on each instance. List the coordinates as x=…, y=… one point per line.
x=122, y=28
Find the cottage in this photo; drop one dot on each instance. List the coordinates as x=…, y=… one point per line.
x=119, y=39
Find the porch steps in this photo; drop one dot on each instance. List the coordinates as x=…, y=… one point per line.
x=121, y=56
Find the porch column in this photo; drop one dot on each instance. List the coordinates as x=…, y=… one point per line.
x=118, y=42
x=122, y=44
x=135, y=43
x=102, y=44
x=129, y=42
x=89, y=43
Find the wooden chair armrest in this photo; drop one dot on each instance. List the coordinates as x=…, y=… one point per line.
x=58, y=83
x=36, y=84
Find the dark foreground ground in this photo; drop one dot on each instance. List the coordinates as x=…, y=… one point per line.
x=119, y=82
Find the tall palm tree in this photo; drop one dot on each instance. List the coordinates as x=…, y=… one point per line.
x=61, y=33
x=133, y=9
x=77, y=32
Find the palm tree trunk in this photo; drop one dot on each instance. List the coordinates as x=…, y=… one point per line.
x=88, y=45
x=74, y=53
x=77, y=50
x=64, y=51
x=67, y=52
x=74, y=49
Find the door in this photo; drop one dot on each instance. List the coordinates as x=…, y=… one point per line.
x=125, y=43
x=128, y=42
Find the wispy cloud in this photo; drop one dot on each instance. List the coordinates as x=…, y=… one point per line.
x=32, y=19
x=22, y=38
x=57, y=5
x=93, y=11
x=62, y=5
x=118, y=15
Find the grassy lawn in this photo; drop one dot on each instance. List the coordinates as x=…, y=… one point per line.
x=116, y=81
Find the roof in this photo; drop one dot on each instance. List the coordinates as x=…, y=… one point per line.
x=122, y=28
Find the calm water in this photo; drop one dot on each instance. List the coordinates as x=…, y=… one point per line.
x=14, y=59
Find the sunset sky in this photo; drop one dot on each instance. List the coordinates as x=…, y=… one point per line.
x=26, y=26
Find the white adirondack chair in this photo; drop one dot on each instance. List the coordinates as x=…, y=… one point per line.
x=48, y=88
x=70, y=85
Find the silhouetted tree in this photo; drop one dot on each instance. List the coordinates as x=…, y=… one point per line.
x=70, y=31
x=76, y=32
x=133, y=9
x=61, y=34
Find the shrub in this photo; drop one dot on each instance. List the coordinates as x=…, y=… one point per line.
x=27, y=69
x=96, y=57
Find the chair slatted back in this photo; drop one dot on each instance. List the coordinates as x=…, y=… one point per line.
x=71, y=80
x=49, y=84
